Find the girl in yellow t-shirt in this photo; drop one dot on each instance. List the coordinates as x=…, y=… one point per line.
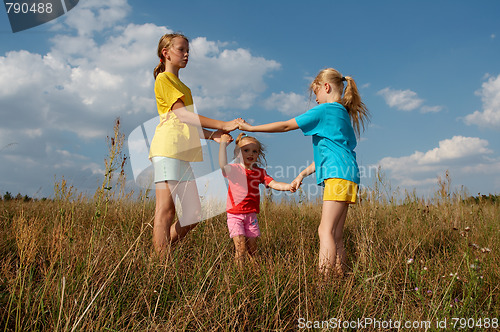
x=176, y=143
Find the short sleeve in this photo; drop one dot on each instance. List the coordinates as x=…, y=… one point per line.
x=309, y=122
x=266, y=178
x=167, y=93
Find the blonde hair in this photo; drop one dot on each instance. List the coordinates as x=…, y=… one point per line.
x=261, y=159
x=165, y=42
x=351, y=99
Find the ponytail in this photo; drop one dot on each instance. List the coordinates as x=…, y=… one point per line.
x=355, y=107
x=159, y=69
x=351, y=99
x=240, y=137
x=165, y=43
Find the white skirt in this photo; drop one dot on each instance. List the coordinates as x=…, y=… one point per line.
x=170, y=169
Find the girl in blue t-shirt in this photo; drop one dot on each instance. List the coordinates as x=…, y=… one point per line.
x=333, y=125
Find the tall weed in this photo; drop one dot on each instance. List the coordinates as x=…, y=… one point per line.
x=75, y=263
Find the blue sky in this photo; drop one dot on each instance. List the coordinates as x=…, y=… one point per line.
x=428, y=71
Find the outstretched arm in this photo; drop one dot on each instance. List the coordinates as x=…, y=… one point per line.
x=298, y=180
x=281, y=186
x=191, y=118
x=274, y=127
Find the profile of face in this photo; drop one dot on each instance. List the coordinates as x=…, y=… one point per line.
x=321, y=92
x=178, y=53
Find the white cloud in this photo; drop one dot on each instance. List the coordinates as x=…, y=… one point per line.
x=490, y=96
x=287, y=103
x=30, y=164
x=465, y=157
x=24, y=72
x=222, y=78
x=79, y=86
x=453, y=149
x=404, y=100
x=91, y=16
x=97, y=70
x=80, y=81
x=489, y=167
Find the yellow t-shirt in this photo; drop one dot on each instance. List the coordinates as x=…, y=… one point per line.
x=173, y=138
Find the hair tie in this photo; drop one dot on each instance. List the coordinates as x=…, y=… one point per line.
x=343, y=78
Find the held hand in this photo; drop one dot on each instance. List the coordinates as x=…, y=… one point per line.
x=245, y=126
x=295, y=184
x=222, y=137
x=231, y=125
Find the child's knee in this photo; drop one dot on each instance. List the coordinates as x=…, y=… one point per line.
x=239, y=243
x=165, y=214
x=324, y=232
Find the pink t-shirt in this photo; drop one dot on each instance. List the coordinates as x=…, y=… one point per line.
x=243, y=195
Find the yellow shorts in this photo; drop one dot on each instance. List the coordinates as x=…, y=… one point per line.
x=340, y=190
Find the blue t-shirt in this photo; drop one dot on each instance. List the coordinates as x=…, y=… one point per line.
x=333, y=140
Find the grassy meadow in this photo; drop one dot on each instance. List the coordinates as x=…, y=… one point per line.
x=75, y=263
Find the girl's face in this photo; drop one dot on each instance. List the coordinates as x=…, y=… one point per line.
x=178, y=53
x=249, y=152
x=321, y=93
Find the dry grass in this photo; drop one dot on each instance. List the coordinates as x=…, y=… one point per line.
x=62, y=268
x=86, y=264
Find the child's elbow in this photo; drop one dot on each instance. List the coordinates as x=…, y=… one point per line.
x=290, y=125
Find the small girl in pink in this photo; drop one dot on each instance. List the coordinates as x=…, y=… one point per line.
x=243, y=198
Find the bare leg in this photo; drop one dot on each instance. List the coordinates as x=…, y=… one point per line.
x=190, y=206
x=164, y=216
x=338, y=236
x=177, y=232
x=331, y=216
x=251, y=243
x=240, y=249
